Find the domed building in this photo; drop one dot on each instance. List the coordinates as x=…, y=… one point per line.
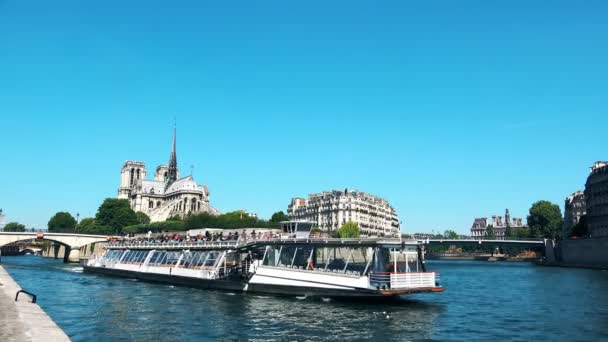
x=165, y=195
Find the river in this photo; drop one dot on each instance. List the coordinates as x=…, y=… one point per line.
x=482, y=301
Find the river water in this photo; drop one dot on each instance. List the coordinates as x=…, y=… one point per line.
x=482, y=301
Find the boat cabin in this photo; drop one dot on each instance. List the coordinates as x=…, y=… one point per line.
x=296, y=229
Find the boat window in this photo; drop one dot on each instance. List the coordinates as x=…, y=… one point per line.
x=212, y=259
x=172, y=258
x=197, y=261
x=272, y=256
x=143, y=256
x=232, y=259
x=343, y=260
x=119, y=255
x=128, y=256
x=162, y=255
x=140, y=257
x=405, y=260
x=187, y=259
x=153, y=258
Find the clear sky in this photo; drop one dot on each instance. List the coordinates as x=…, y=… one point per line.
x=448, y=109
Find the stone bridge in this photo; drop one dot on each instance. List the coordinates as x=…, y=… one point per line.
x=71, y=242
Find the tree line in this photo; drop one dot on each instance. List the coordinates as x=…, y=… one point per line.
x=115, y=216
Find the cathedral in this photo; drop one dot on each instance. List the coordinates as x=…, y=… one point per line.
x=167, y=194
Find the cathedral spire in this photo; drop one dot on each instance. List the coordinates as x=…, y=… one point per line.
x=172, y=170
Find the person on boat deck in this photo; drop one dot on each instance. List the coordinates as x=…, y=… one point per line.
x=253, y=234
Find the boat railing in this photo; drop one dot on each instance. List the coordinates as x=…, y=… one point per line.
x=184, y=245
x=403, y=280
x=243, y=241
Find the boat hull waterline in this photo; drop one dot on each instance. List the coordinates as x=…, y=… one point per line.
x=243, y=286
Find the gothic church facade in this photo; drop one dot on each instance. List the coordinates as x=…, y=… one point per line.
x=165, y=195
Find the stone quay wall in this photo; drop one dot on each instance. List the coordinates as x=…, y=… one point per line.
x=22, y=320
x=583, y=252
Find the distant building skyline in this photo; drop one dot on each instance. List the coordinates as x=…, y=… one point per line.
x=479, y=229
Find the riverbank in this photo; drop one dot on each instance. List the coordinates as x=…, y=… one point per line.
x=479, y=258
x=570, y=265
x=23, y=320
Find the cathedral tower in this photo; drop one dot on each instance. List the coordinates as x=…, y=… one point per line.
x=172, y=168
x=132, y=171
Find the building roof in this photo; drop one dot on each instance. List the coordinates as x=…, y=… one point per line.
x=184, y=184
x=149, y=186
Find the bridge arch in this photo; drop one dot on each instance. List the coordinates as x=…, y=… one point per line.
x=71, y=242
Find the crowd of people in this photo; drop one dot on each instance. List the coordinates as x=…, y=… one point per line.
x=208, y=236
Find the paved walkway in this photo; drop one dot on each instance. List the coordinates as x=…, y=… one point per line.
x=22, y=320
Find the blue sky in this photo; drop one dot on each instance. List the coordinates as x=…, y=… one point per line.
x=448, y=109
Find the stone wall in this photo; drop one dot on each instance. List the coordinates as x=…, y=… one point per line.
x=584, y=252
x=92, y=250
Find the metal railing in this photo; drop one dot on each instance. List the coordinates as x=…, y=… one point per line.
x=185, y=245
x=408, y=280
x=34, y=297
x=243, y=241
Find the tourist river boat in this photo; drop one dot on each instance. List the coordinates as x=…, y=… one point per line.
x=292, y=264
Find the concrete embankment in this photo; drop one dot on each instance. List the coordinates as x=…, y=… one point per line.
x=23, y=320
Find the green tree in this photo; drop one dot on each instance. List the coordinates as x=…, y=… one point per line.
x=62, y=222
x=175, y=218
x=89, y=226
x=278, y=217
x=490, y=232
x=545, y=220
x=14, y=227
x=116, y=214
x=349, y=230
x=230, y=220
x=580, y=229
x=522, y=233
x=86, y=223
x=142, y=217
x=508, y=232
x=450, y=234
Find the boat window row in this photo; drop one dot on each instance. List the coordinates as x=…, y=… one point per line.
x=186, y=259
x=200, y=259
x=134, y=257
x=353, y=261
x=113, y=255
x=347, y=260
